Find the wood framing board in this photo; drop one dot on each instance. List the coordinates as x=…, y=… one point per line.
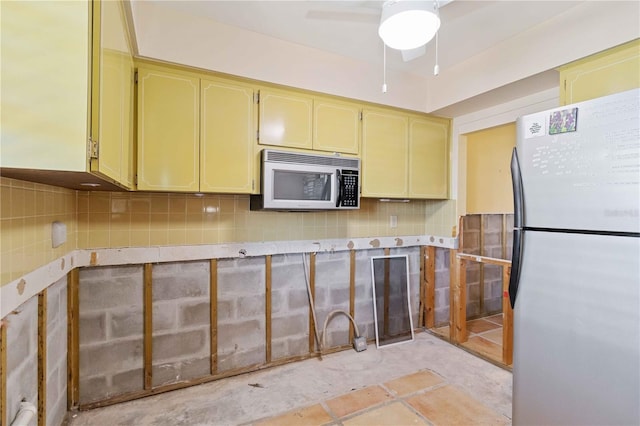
x=430, y=287
x=352, y=292
x=147, y=312
x=267, y=309
x=312, y=287
x=213, y=313
x=507, y=319
x=481, y=266
x=483, y=259
x=423, y=287
x=460, y=297
x=453, y=283
x=73, y=340
x=3, y=374
x=42, y=358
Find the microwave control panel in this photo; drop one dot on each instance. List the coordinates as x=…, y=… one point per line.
x=349, y=188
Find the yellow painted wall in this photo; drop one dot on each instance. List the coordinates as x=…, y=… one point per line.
x=488, y=180
x=26, y=213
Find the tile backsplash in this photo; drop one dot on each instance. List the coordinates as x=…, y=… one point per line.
x=136, y=219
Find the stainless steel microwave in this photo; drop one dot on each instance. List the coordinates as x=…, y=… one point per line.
x=298, y=181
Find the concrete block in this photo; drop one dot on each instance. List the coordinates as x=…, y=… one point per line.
x=194, y=368
x=442, y=298
x=93, y=327
x=493, y=222
x=493, y=239
x=242, y=335
x=198, y=313
x=126, y=323
x=339, y=296
x=250, y=306
x=182, y=344
x=241, y=281
x=110, y=357
x=442, y=259
x=57, y=346
x=165, y=373
x=321, y=297
x=110, y=293
x=164, y=316
x=298, y=300
x=56, y=412
x=240, y=359
x=93, y=388
x=289, y=325
x=279, y=349
x=442, y=279
x=493, y=305
x=127, y=381
x=471, y=221
x=225, y=310
x=442, y=317
x=168, y=287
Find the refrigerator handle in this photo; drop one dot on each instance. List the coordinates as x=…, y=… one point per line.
x=518, y=216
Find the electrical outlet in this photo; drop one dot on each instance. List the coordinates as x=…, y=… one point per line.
x=393, y=221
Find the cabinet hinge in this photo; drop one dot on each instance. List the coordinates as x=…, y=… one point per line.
x=93, y=148
x=360, y=115
x=256, y=97
x=258, y=135
x=135, y=179
x=253, y=184
x=135, y=77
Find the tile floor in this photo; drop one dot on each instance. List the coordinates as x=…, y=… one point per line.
x=485, y=336
x=424, y=382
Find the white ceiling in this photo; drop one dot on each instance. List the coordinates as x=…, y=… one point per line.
x=469, y=29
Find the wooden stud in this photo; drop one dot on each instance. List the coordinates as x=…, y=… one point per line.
x=312, y=286
x=460, y=320
x=504, y=236
x=3, y=374
x=42, y=358
x=484, y=259
x=352, y=292
x=268, y=307
x=147, y=310
x=73, y=340
x=481, y=279
x=213, y=312
x=430, y=287
x=507, y=319
x=423, y=284
x=453, y=284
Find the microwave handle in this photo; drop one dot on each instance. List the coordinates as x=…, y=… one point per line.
x=339, y=182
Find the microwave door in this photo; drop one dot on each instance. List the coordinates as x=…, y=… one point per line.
x=297, y=189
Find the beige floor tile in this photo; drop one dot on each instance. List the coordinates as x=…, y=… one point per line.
x=485, y=347
x=480, y=325
x=314, y=415
x=413, y=382
x=392, y=415
x=494, y=335
x=448, y=405
x=495, y=318
x=358, y=400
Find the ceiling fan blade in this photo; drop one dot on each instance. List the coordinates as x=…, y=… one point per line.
x=411, y=54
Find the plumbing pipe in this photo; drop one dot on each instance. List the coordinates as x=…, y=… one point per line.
x=25, y=414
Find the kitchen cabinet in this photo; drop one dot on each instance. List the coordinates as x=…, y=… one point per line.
x=385, y=148
x=612, y=71
x=168, y=130
x=336, y=126
x=228, y=134
x=428, y=158
x=285, y=119
x=404, y=155
x=47, y=99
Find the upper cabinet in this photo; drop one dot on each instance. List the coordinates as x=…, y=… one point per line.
x=196, y=133
x=428, y=158
x=51, y=122
x=404, y=155
x=285, y=119
x=612, y=71
x=385, y=149
x=168, y=131
x=336, y=126
x=227, y=136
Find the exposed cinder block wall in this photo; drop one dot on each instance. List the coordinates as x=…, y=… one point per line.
x=111, y=331
x=57, y=353
x=492, y=247
x=181, y=317
x=22, y=357
x=442, y=287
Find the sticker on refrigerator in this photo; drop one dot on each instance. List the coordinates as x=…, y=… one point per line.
x=563, y=121
x=535, y=125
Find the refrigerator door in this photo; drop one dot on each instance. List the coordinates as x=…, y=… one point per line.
x=580, y=165
x=577, y=331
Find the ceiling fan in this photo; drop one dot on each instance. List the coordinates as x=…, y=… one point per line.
x=405, y=25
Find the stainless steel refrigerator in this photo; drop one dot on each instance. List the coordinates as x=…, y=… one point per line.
x=575, y=278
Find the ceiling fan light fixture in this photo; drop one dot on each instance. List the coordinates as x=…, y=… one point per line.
x=408, y=24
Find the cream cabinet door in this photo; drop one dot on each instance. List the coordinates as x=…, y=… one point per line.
x=285, y=119
x=336, y=126
x=112, y=100
x=428, y=158
x=384, y=154
x=168, y=131
x=228, y=135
